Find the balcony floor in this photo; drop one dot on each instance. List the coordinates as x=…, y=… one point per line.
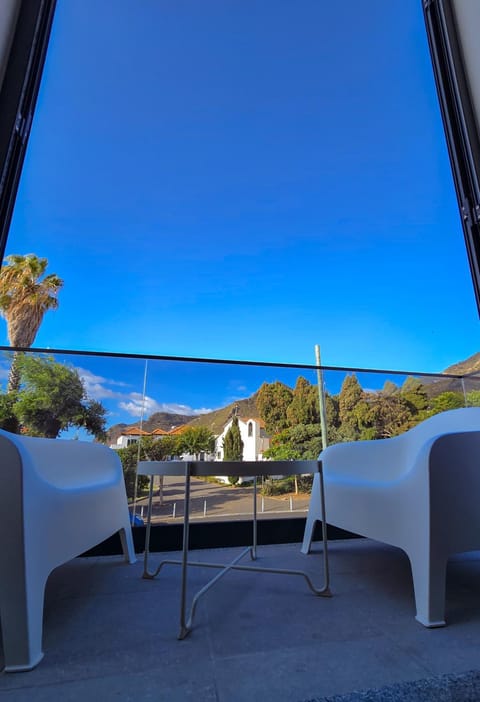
x=110, y=635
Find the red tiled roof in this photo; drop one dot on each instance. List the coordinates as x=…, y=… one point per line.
x=178, y=430
x=135, y=431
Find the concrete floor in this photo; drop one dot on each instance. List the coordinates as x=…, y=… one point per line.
x=110, y=635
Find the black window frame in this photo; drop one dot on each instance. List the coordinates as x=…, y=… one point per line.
x=18, y=97
x=459, y=121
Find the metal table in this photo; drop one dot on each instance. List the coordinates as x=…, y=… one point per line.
x=227, y=468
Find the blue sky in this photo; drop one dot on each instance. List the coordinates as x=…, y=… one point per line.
x=246, y=179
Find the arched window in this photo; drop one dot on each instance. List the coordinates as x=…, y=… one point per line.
x=250, y=429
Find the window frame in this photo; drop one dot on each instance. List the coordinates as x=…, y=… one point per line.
x=454, y=79
x=22, y=74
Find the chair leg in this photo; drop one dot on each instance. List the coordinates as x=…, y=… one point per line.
x=126, y=540
x=314, y=514
x=429, y=575
x=21, y=612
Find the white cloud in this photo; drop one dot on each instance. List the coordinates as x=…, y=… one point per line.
x=100, y=388
x=96, y=385
x=136, y=405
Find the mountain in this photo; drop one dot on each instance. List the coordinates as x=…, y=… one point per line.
x=470, y=365
x=158, y=420
x=435, y=386
x=217, y=419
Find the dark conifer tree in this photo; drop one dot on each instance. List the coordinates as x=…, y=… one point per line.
x=232, y=443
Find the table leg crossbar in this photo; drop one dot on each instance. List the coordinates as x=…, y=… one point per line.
x=186, y=624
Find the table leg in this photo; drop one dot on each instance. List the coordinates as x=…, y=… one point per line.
x=184, y=629
x=187, y=623
x=326, y=572
x=146, y=574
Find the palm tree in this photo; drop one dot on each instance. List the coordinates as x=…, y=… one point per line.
x=25, y=296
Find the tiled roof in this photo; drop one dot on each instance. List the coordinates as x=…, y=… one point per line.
x=136, y=431
x=178, y=430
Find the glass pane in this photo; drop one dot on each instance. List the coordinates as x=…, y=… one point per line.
x=161, y=409
x=245, y=180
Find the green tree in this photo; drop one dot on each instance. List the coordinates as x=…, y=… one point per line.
x=281, y=449
x=446, y=401
x=26, y=293
x=52, y=398
x=129, y=458
x=233, y=446
x=147, y=449
x=273, y=401
x=413, y=391
x=300, y=442
x=232, y=443
x=196, y=440
x=390, y=388
x=333, y=418
x=387, y=415
x=351, y=394
x=304, y=407
x=8, y=420
x=473, y=398
x=159, y=449
x=154, y=449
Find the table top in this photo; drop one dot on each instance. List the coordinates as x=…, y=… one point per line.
x=225, y=468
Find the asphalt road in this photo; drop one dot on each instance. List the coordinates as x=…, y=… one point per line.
x=217, y=502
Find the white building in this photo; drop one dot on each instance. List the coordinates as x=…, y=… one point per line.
x=252, y=433
x=254, y=437
x=128, y=437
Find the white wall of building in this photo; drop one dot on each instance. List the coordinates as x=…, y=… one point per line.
x=255, y=442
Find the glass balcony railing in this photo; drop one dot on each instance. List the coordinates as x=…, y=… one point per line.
x=162, y=407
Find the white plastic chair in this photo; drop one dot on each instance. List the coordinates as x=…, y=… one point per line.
x=58, y=498
x=418, y=491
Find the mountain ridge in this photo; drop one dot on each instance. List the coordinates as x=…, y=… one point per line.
x=247, y=407
x=469, y=365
